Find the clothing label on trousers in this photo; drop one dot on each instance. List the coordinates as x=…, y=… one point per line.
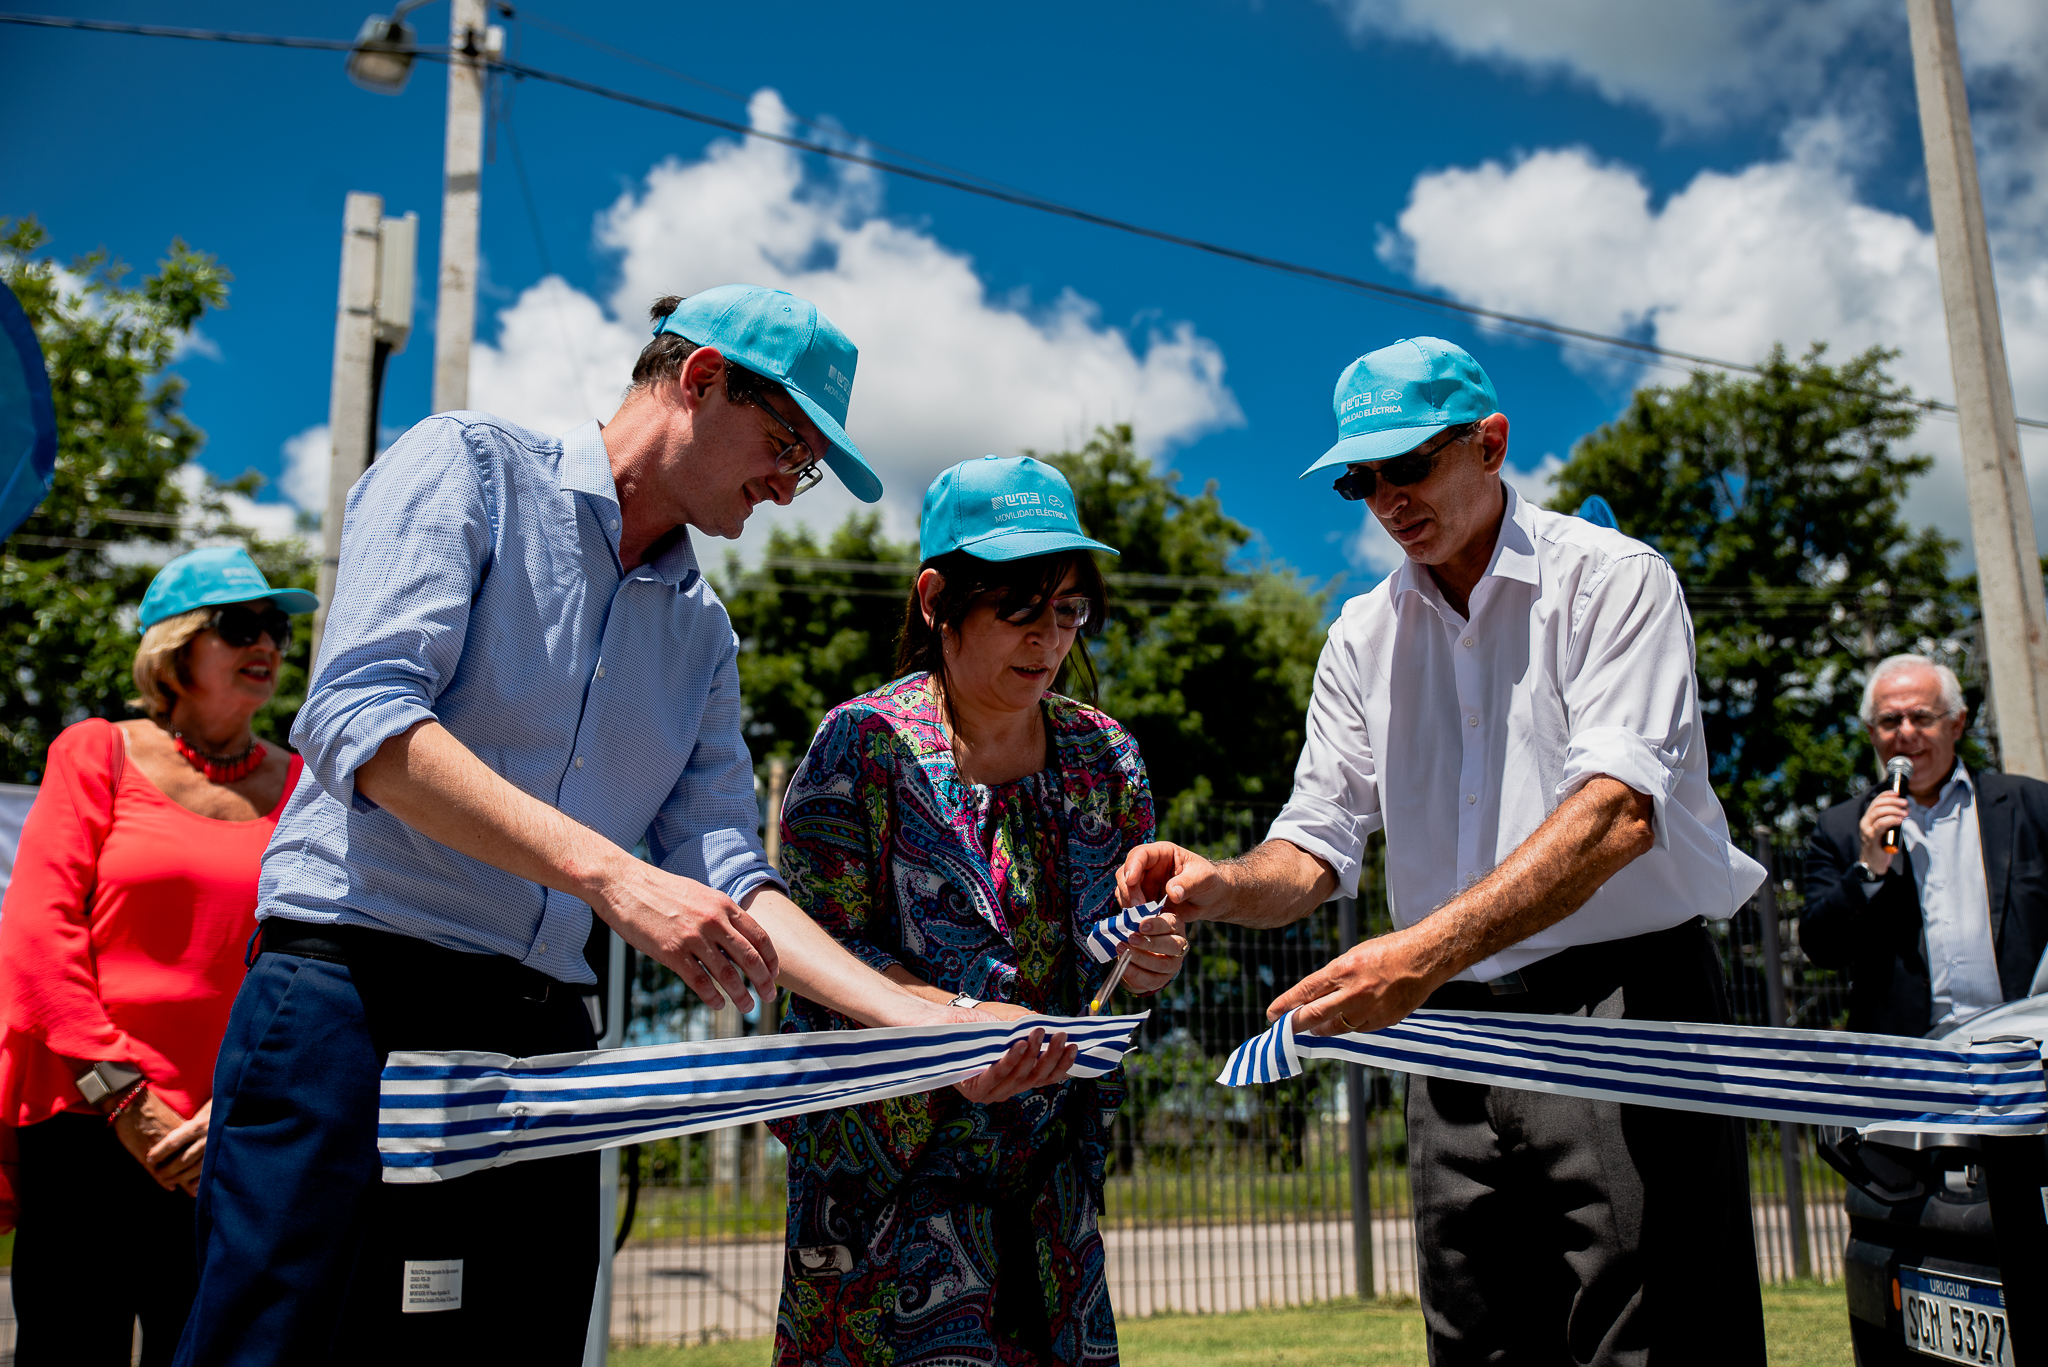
x=431, y=1286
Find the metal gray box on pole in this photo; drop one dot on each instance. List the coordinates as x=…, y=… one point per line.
x=1994, y=477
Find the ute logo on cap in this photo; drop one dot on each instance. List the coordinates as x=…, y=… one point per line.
x=1002, y=501
x=842, y=383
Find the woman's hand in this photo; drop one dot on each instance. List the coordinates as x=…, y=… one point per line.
x=176, y=1158
x=148, y=1121
x=1030, y=1062
x=1158, y=949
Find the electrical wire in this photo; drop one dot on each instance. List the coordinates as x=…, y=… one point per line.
x=1555, y=332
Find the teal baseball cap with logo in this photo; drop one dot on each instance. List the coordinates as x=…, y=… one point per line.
x=212, y=576
x=1001, y=508
x=789, y=340
x=1394, y=399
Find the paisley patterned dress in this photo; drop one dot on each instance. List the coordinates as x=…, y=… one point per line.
x=930, y=1229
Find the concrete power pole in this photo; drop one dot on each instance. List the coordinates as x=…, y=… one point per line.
x=371, y=323
x=2001, y=514
x=461, y=204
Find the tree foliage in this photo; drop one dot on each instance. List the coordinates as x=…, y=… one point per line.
x=1209, y=667
x=72, y=578
x=1779, y=499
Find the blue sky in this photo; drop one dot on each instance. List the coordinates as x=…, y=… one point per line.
x=1717, y=174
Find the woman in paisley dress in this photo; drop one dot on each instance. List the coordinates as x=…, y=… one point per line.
x=959, y=830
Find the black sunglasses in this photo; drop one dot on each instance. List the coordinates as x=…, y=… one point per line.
x=1360, y=481
x=240, y=625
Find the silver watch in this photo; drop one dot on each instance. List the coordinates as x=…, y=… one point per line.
x=1866, y=874
x=965, y=1002
x=105, y=1079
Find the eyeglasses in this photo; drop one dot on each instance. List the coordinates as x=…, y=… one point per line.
x=1361, y=480
x=240, y=625
x=795, y=458
x=1889, y=722
x=1068, y=614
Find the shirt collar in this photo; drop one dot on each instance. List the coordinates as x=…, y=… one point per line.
x=1514, y=553
x=1961, y=774
x=587, y=470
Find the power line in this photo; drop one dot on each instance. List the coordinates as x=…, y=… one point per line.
x=1016, y=198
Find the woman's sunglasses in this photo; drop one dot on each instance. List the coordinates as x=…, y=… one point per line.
x=1360, y=481
x=240, y=625
x=1068, y=614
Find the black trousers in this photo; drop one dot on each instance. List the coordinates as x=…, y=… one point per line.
x=1553, y=1230
x=306, y=1255
x=98, y=1245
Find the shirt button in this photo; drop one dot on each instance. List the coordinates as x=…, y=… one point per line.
x=541, y=948
x=1471, y=798
x=1471, y=721
x=614, y=524
x=578, y=761
x=600, y=671
x=1468, y=643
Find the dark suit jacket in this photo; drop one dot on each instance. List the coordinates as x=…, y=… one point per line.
x=1878, y=937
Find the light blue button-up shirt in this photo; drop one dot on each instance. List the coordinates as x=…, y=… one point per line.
x=480, y=586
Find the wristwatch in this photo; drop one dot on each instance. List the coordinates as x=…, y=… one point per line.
x=1864, y=873
x=965, y=1002
x=105, y=1079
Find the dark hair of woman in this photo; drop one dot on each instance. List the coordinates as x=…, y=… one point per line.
x=1025, y=585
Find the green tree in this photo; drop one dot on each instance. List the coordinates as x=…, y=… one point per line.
x=72, y=578
x=816, y=627
x=1209, y=667
x=1778, y=498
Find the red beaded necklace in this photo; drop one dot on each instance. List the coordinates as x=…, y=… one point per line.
x=220, y=768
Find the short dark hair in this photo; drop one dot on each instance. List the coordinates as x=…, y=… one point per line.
x=1023, y=584
x=661, y=361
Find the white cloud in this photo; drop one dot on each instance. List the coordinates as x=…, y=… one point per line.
x=1781, y=251
x=946, y=372
x=1695, y=62
x=307, y=457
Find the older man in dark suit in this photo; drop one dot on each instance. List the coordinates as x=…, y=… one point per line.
x=1956, y=920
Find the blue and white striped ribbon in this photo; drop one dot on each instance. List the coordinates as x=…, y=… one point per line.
x=442, y=1115
x=1108, y=935
x=1877, y=1083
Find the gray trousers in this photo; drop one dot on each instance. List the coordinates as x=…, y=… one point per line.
x=1555, y=1231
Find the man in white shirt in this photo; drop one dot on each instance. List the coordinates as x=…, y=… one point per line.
x=1955, y=920
x=1515, y=706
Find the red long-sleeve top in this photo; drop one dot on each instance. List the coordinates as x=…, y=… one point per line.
x=121, y=939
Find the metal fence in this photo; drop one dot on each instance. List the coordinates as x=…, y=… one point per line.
x=1217, y=1198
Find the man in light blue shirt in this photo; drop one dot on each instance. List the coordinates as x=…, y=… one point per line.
x=524, y=674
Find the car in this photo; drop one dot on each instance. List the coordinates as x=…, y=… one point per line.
x=1923, y=1266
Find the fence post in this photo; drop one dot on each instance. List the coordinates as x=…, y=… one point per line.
x=1355, y=1106
x=1791, y=1137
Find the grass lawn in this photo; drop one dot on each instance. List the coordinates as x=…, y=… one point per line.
x=1807, y=1326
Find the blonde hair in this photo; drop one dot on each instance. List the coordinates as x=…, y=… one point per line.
x=162, y=652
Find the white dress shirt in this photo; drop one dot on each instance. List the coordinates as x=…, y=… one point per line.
x=1459, y=736
x=1943, y=848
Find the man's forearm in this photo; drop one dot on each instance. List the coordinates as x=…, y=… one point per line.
x=1275, y=884
x=433, y=783
x=817, y=967
x=1593, y=835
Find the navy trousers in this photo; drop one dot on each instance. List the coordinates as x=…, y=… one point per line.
x=305, y=1255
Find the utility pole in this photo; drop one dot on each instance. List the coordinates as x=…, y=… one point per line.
x=2001, y=514
x=371, y=322
x=461, y=203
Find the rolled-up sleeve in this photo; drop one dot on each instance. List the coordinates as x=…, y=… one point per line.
x=1629, y=693
x=417, y=542
x=1336, y=801
x=707, y=828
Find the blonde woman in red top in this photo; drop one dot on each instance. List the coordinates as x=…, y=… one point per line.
x=121, y=949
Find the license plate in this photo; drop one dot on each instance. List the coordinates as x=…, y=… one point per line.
x=1956, y=1319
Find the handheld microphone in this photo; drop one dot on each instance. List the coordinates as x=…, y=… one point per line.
x=1898, y=772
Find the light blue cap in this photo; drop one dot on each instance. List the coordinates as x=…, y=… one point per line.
x=1001, y=508
x=1394, y=399
x=209, y=577
x=774, y=333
